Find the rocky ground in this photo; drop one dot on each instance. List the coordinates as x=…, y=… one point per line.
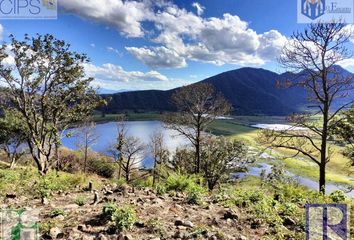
x=159, y=217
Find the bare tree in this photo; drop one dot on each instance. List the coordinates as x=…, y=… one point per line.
x=314, y=55
x=198, y=105
x=121, y=138
x=159, y=154
x=86, y=138
x=132, y=152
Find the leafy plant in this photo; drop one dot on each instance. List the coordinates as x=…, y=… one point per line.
x=57, y=212
x=337, y=196
x=80, y=201
x=124, y=218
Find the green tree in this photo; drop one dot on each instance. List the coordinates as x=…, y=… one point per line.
x=198, y=105
x=345, y=131
x=13, y=134
x=220, y=157
x=48, y=87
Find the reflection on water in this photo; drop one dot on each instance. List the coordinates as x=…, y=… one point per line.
x=107, y=133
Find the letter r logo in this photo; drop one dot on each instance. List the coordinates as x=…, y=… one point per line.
x=327, y=222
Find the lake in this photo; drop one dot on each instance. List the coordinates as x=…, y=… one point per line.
x=106, y=134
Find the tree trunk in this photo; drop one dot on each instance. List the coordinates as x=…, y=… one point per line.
x=322, y=180
x=85, y=159
x=13, y=162
x=154, y=173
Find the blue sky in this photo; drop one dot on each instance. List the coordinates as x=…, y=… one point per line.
x=161, y=44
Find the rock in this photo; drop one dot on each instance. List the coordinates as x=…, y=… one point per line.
x=122, y=236
x=108, y=192
x=59, y=218
x=81, y=227
x=289, y=221
x=11, y=195
x=188, y=224
x=44, y=201
x=178, y=234
x=56, y=233
x=213, y=237
x=96, y=198
x=179, y=222
x=139, y=224
x=101, y=236
x=90, y=186
x=230, y=214
x=241, y=237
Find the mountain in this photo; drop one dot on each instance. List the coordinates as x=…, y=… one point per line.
x=251, y=91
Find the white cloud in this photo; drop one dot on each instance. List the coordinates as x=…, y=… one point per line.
x=125, y=16
x=199, y=7
x=93, y=45
x=158, y=57
x=347, y=63
x=116, y=51
x=179, y=35
x=113, y=73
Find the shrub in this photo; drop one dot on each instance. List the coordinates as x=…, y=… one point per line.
x=80, y=201
x=56, y=212
x=181, y=183
x=154, y=226
x=337, y=196
x=102, y=168
x=124, y=218
x=195, y=194
x=160, y=189
x=109, y=209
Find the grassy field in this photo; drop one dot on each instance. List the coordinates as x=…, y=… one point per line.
x=338, y=169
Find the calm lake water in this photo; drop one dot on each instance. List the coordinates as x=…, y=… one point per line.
x=106, y=134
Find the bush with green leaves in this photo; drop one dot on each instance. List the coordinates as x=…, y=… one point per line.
x=124, y=218
x=160, y=189
x=181, y=183
x=80, y=201
x=337, y=196
x=102, y=167
x=195, y=194
x=109, y=209
x=57, y=212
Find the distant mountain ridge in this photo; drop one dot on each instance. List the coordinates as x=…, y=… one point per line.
x=251, y=91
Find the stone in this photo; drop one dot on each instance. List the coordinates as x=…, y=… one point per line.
x=122, y=236
x=44, y=201
x=81, y=227
x=101, y=236
x=56, y=233
x=11, y=195
x=289, y=221
x=230, y=214
x=188, y=224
